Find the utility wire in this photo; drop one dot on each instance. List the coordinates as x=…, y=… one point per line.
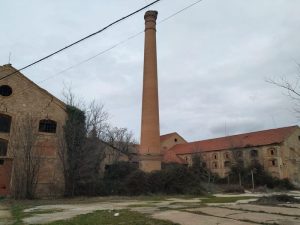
x=110, y=48
x=82, y=39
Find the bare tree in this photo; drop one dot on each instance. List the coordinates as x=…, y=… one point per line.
x=27, y=158
x=81, y=150
x=292, y=88
x=120, y=140
x=96, y=120
x=84, y=143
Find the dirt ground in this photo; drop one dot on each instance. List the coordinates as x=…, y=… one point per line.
x=179, y=210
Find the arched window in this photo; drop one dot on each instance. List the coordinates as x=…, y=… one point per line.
x=272, y=151
x=48, y=126
x=5, y=121
x=273, y=162
x=215, y=156
x=226, y=155
x=3, y=147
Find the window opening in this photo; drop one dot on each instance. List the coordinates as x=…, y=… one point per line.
x=5, y=122
x=3, y=147
x=5, y=90
x=48, y=126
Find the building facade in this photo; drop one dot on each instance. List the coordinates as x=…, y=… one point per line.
x=277, y=150
x=29, y=115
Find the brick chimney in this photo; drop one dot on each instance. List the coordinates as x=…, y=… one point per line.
x=149, y=152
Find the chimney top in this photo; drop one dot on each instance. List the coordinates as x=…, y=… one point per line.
x=151, y=13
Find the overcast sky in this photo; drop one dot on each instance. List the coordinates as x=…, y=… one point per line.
x=213, y=59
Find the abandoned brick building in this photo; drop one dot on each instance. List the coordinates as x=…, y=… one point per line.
x=278, y=150
x=26, y=109
x=24, y=105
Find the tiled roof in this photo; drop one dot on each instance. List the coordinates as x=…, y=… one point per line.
x=171, y=157
x=259, y=138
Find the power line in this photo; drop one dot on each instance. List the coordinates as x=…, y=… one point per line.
x=111, y=47
x=121, y=42
x=82, y=39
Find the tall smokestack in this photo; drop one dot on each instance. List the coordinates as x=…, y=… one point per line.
x=150, y=157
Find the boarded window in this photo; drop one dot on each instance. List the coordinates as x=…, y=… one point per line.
x=5, y=122
x=3, y=147
x=48, y=126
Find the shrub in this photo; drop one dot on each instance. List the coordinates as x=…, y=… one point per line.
x=175, y=179
x=156, y=181
x=136, y=183
x=119, y=171
x=233, y=189
x=115, y=177
x=277, y=199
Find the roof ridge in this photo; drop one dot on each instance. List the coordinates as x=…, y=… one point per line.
x=252, y=132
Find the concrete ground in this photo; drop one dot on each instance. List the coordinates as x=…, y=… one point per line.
x=178, y=210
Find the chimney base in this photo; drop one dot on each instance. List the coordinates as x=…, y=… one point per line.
x=150, y=162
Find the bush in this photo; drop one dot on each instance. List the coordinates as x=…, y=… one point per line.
x=119, y=171
x=277, y=199
x=124, y=178
x=174, y=179
x=232, y=188
x=261, y=177
x=136, y=183
x=115, y=178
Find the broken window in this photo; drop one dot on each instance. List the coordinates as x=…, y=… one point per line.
x=5, y=122
x=3, y=147
x=48, y=126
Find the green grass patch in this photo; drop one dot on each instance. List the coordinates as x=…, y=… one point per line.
x=18, y=214
x=126, y=217
x=215, y=199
